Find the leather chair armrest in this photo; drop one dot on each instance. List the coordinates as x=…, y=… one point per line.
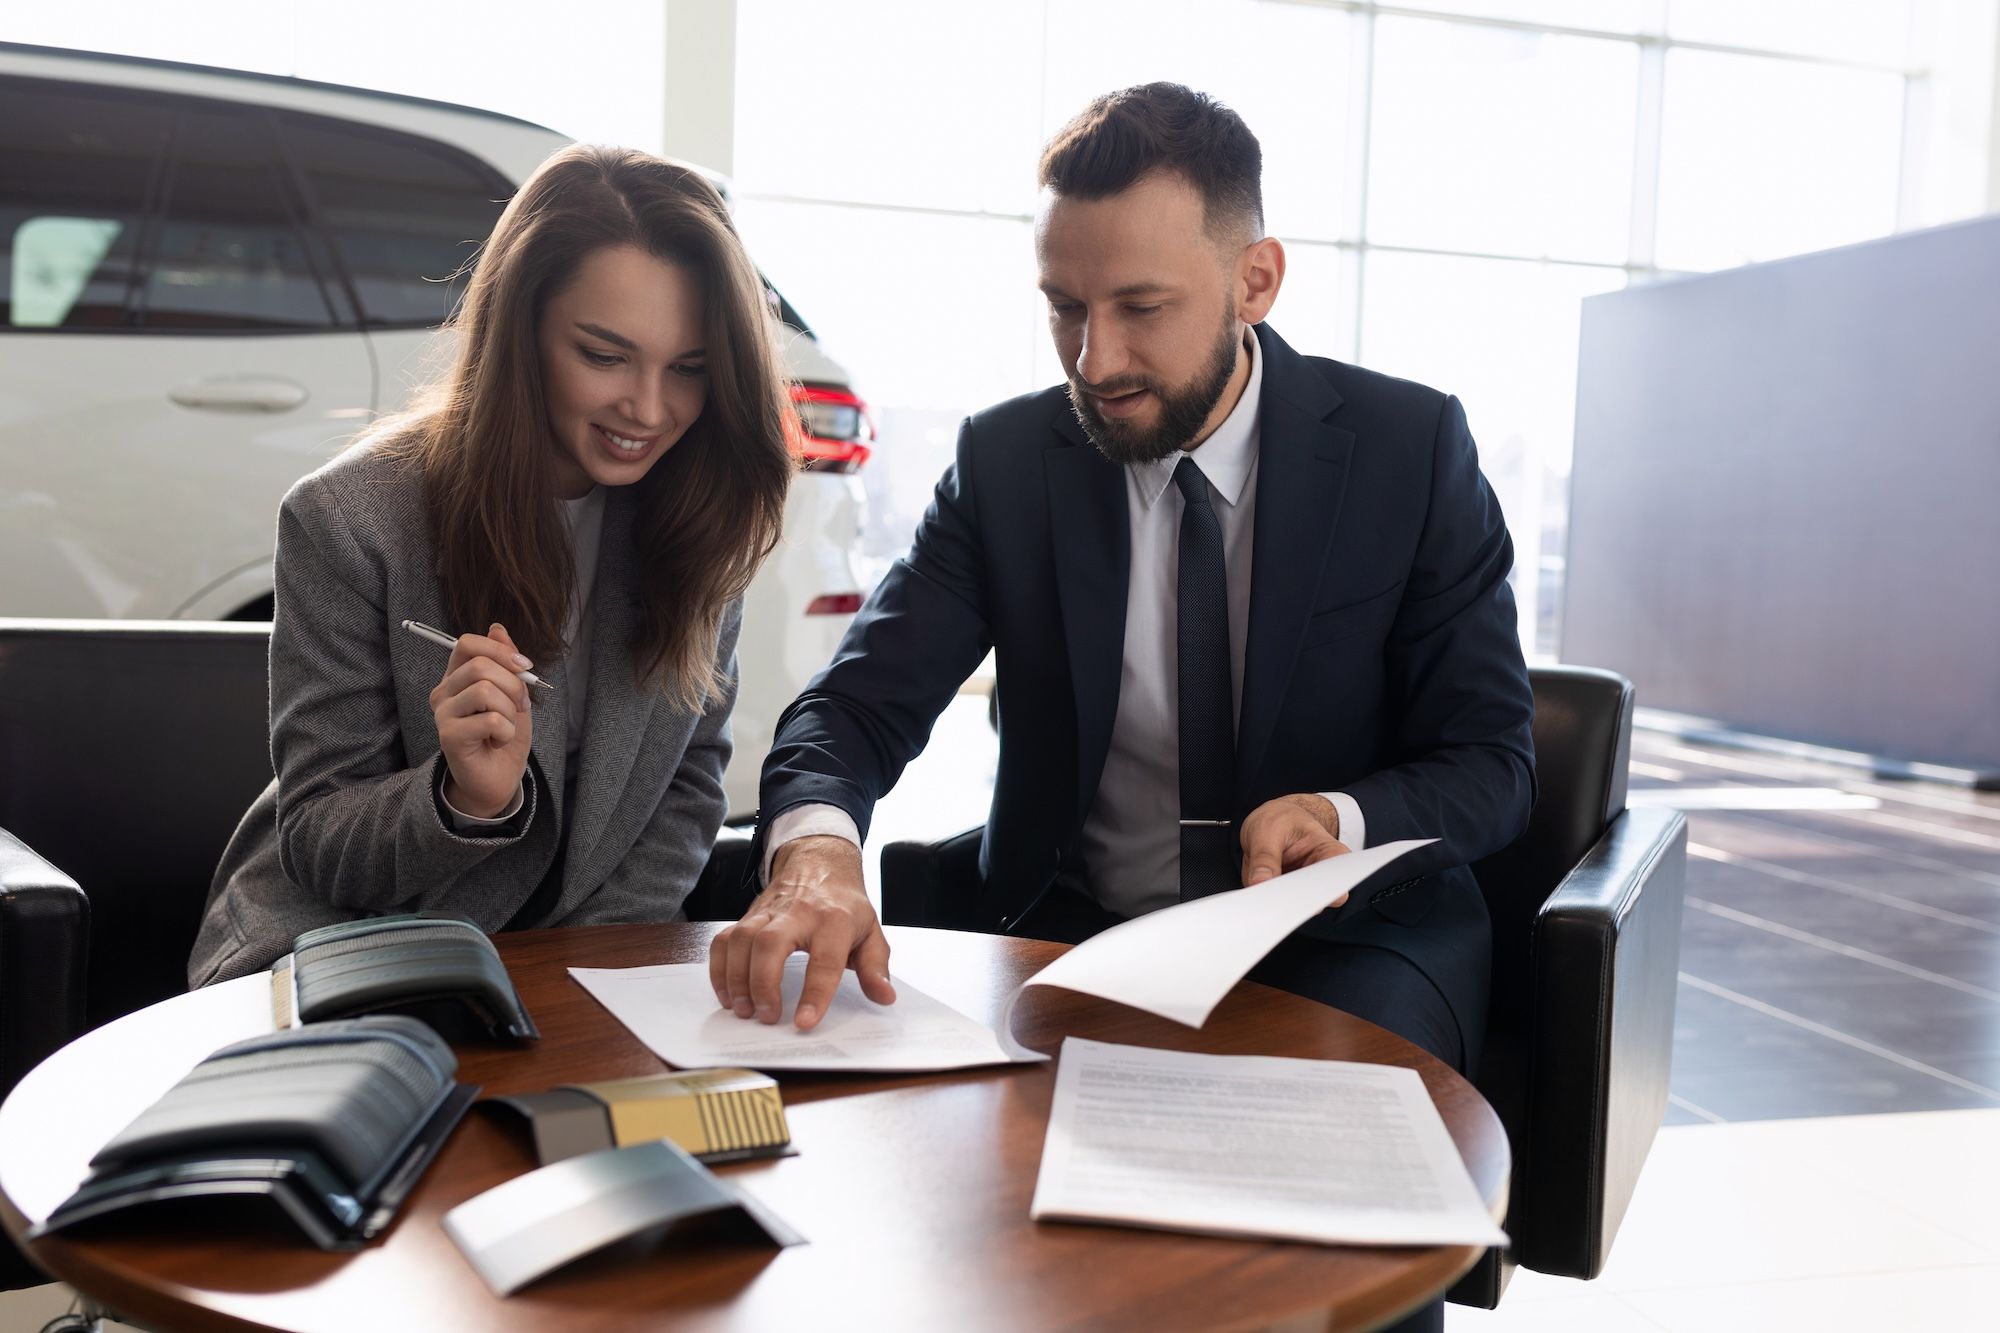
x=1606, y=958
x=724, y=889
x=44, y=952
x=932, y=883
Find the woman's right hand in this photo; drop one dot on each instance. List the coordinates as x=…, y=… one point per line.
x=485, y=722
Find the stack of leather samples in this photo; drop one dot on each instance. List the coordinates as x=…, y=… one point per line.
x=329, y=1125
x=439, y=968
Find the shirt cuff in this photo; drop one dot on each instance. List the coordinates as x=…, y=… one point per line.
x=1353, y=827
x=805, y=821
x=464, y=823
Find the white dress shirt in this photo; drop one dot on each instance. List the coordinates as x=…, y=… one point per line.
x=1131, y=842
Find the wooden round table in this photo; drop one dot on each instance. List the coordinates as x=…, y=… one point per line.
x=912, y=1190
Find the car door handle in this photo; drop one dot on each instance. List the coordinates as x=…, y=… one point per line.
x=241, y=393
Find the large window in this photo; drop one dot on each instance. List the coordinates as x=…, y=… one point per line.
x=1451, y=178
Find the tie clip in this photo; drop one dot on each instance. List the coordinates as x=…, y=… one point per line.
x=1206, y=823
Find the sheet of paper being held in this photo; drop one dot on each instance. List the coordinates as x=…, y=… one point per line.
x=1180, y=961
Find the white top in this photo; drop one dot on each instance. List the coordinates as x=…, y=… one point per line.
x=585, y=517
x=1131, y=839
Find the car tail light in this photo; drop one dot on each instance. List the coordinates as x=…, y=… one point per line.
x=834, y=604
x=836, y=433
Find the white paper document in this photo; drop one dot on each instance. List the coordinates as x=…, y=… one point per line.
x=1254, y=1145
x=1177, y=962
x=1180, y=961
x=671, y=1009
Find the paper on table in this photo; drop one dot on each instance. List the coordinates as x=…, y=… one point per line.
x=1177, y=962
x=671, y=1009
x=1180, y=961
x=1254, y=1145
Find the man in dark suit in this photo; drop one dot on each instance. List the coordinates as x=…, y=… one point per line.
x=1249, y=610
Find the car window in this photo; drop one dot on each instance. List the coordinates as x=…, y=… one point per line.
x=228, y=254
x=404, y=213
x=75, y=168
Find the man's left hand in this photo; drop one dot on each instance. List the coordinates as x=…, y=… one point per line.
x=1288, y=833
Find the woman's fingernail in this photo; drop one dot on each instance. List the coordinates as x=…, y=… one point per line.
x=522, y=662
x=806, y=1014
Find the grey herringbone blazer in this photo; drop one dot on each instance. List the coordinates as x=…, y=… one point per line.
x=350, y=826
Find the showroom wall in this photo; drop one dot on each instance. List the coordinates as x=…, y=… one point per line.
x=1784, y=497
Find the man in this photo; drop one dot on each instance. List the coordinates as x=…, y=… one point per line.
x=1249, y=611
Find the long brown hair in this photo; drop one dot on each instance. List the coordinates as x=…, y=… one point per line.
x=709, y=511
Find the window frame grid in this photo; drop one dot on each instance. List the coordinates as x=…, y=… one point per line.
x=1653, y=44
x=1354, y=244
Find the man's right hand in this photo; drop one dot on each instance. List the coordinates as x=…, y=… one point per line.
x=816, y=902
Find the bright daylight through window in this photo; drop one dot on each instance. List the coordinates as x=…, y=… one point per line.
x=1587, y=144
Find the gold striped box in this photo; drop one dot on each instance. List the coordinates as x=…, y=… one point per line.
x=716, y=1115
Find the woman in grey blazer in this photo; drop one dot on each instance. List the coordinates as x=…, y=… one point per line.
x=588, y=490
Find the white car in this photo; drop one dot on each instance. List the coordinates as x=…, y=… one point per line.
x=210, y=280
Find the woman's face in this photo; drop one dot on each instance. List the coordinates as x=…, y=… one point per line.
x=622, y=360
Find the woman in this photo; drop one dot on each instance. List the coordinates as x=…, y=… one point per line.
x=588, y=492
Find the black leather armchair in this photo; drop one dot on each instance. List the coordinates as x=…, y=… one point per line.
x=44, y=931
x=1586, y=911
x=128, y=752
x=724, y=891
x=44, y=943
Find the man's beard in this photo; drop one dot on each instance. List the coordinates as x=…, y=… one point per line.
x=1183, y=411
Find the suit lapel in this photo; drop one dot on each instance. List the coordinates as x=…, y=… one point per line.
x=621, y=707
x=1301, y=475
x=1090, y=531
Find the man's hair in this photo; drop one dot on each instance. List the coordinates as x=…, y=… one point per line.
x=1122, y=136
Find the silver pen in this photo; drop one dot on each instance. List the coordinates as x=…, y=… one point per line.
x=443, y=640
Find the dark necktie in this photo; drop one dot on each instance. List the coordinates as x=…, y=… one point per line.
x=1209, y=859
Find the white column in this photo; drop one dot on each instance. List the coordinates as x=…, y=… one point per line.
x=699, y=105
x=1951, y=132
x=1993, y=135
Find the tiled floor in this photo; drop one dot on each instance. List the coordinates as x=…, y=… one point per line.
x=1840, y=960
x=1839, y=1224
x=1833, y=961
x=27, y=1311
x=1830, y=1158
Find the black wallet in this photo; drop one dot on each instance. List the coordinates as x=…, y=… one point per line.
x=333, y=1124
x=438, y=968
